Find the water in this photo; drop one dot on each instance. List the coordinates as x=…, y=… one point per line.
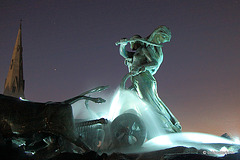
x=188, y=139
x=127, y=101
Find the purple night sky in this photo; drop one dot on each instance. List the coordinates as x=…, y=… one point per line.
x=69, y=47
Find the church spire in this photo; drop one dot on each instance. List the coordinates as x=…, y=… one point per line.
x=14, y=84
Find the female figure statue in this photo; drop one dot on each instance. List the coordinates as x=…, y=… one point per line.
x=143, y=63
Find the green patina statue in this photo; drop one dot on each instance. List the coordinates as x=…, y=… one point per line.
x=143, y=62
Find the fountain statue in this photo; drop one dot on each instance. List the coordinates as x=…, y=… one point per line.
x=143, y=62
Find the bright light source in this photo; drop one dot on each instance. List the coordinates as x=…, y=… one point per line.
x=22, y=99
x=236, y=140
x=224, y=149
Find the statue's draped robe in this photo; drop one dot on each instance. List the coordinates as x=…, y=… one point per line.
x=146, y=85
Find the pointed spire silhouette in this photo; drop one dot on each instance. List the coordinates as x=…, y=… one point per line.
x=14, y=83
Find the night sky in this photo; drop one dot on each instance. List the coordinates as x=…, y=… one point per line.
x=69, y=47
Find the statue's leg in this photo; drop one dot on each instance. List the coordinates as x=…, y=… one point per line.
x=146, y=87
x=176, y=125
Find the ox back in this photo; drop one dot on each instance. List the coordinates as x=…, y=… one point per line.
x=26, y=117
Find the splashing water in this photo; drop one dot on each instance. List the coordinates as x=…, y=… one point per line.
x=126, y=101
x=215, y=144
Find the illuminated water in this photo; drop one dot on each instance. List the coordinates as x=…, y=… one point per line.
x=189, y=139
x=127, y=101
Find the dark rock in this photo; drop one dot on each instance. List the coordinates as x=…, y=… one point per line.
x=189, y=157
x=10, y=152
x=226, y=135
x=232, y=156
x=73, y=156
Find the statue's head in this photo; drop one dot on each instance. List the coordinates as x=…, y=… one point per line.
x=160, y=35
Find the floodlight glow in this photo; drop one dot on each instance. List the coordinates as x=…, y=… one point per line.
x=115, y=106
x=23, y=99
x=236, y=140
x=190, y=139
x=224, y=149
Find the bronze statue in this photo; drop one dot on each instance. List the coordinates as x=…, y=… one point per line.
x=143, y=63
